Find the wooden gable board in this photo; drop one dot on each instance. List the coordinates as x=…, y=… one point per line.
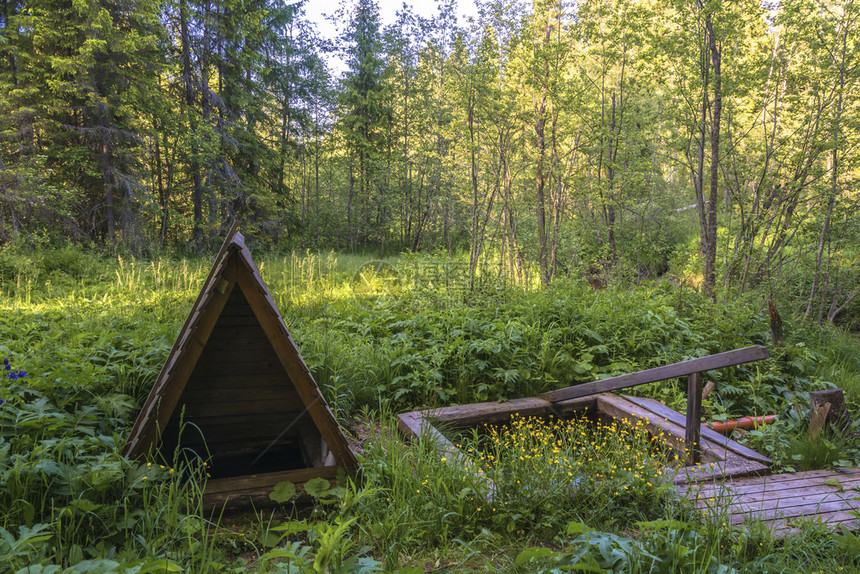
x=234, y=278
x=168, y=388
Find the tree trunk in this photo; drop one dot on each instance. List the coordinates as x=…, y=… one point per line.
x=475, y=250
x=834, y=177
x=610, y=179
x=106, y=182
x=540, y=185
x=716, y=112
x=197, y=188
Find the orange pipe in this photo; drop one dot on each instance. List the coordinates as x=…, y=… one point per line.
x=725, y=427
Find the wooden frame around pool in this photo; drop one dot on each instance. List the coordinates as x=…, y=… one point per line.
x=721, y=456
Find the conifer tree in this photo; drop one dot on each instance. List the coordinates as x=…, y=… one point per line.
x=92, y=65
x=365, y=117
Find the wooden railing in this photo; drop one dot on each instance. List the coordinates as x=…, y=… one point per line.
x=692, y=369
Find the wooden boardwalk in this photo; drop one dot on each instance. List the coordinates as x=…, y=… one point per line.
x=781, y=501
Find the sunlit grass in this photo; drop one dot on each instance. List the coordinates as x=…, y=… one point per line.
x=93, y=331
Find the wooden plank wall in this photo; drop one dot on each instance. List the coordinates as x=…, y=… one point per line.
x=240, y=398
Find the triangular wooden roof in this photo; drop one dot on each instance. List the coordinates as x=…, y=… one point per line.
x=235, y=278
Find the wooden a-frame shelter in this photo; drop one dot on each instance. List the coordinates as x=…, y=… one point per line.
x=235, y=390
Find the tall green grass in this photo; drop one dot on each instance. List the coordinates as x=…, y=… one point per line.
x=93, y=331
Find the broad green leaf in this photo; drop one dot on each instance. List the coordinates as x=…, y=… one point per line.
x=317, y=487
x=283, y=491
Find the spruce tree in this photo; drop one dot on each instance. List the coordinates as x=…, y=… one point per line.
x=364, y=120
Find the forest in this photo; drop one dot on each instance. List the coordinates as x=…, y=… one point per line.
x=614, y=140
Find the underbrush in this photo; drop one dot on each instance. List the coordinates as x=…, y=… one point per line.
x=92, y=333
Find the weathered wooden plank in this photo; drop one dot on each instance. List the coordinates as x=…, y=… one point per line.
x=410, y=424
x=796, y=504
x=753, y=467
x=774, y=490
x=208, y=369
x=835, y=519
x=662, y=410
x=835, y=472
x=498, y=412
x=267, y=480
x=693, y=474
x=228, y=333
x=489, y=412
x=785, y=493
x=623, y=410
x=261, y=353
x=220, y=390
x=237, y=322
x=682, y=369
x=795, y=526
x=240, y=383
x=180, y=364
x=258, y=497
x=758, y=488
x=253, y=499
x=782, y=501
x=692, y=432
x=778, y=482
x=286, y=407
x=219, y=343
x=810, y=509
x=242, y=424
x=731, y=467
x=795, y=476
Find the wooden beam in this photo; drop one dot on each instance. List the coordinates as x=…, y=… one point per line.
x=496, y=412
x=682, y=369
x=694, y=419
x=181, y=362
x=267, y=480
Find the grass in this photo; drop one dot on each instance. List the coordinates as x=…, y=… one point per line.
x=92, y=333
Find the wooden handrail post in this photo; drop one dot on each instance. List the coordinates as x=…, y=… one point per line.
x=694, y=418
